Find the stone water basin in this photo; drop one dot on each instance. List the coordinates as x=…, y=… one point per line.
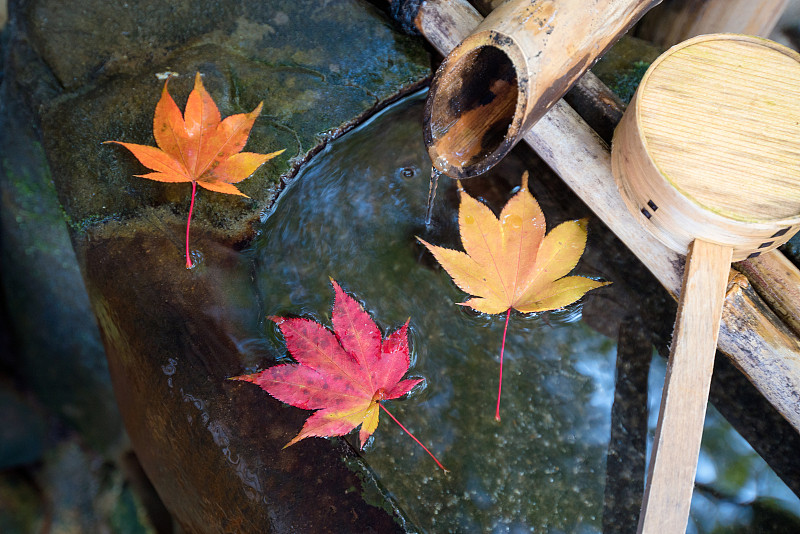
x=352, y=214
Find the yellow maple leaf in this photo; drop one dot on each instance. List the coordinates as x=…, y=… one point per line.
x=510, y=263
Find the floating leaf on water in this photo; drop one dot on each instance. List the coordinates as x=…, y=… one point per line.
x=511, y=263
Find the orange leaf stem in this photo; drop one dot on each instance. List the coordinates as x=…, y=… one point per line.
x=502, y=350
x=188, y=223
x=412, y=437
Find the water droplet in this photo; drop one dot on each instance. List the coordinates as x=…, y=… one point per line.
x=170, y=368
x=513, y=220
x=196, y=257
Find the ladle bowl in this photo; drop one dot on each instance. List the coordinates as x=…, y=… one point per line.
x=710, y=145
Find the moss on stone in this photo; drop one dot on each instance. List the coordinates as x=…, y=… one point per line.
x=318, y=70
x=624, y=65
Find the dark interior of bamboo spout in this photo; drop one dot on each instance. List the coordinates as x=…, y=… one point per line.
x=470, y=111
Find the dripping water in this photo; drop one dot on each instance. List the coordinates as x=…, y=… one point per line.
x=435, y=174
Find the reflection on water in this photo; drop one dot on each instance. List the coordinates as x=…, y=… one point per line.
x=352, y=215
x=735, y=491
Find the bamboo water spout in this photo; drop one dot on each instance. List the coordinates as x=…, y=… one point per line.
x=519, y=62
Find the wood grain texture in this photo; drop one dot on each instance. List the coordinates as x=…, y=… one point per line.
x=677, y=20
x=444, y=23
x=547, y=45
x=710, y=145
x=766, y=351
x=777, y=281
x=769, y=351
x=670, y=481
x=721, y=118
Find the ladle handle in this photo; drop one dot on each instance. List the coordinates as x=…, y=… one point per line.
x=670, y=480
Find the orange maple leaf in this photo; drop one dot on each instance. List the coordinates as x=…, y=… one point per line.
x=511, y=263
x=198, y=146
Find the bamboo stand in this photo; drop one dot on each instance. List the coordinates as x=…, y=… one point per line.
x=707, y=157
x=766, y=352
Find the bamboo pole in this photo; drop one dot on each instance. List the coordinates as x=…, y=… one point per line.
x=505, y=75
x=777, y=281
x=766, y=353
x=677, y=20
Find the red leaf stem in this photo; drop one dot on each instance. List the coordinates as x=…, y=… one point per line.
x=502, y=350
x=188, y=223
x=414, y=438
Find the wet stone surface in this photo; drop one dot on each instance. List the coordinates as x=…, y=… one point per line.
x=55, y=332
x=22, y=433
x=88, y=74
x=294, y=56
x=624, y=65
x=792, y=249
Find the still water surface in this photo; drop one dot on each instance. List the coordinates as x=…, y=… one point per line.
x=352, y=215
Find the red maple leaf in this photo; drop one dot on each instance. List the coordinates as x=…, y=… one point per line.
x=344, y=374
x=199, y=146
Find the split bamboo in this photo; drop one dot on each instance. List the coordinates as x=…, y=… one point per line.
x=777, y=281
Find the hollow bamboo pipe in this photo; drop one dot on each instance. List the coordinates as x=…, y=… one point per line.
x=494, y=86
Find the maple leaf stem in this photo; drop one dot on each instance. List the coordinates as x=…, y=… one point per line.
x=414, y=438
x=188, y=224
x=502, y=350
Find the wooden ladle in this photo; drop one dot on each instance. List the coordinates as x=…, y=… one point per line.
x=707, y=157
